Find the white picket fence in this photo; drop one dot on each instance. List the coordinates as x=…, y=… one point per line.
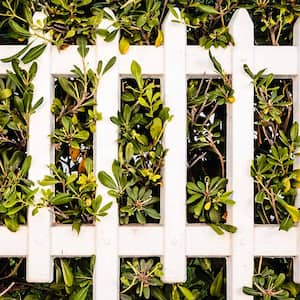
x=173, y=239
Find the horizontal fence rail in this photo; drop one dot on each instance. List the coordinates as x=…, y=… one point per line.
x=173, y=239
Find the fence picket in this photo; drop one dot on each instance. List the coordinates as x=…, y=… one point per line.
x=240, y=126
x=39, y=265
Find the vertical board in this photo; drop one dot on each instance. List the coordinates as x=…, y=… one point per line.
x=240, y=128
x=174, y=176
x=39, y=263
x=108, y=96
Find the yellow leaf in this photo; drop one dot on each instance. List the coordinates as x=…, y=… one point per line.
x=207, y=205
x=123, y=45
x=287, y=184
x=159, y=39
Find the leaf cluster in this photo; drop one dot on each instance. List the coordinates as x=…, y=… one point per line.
x=73, y=280
x=269, y=283
x=205, y=280
x=16, y=108
x=74, y=200
x=206, y=150
x=276, y=147
x=141, y=121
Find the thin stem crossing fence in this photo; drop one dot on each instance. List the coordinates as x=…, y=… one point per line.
x=40, y=241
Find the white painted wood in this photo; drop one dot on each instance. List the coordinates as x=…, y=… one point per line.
x=239, y=148
x=39, y=265
x=173, y=239
x=13, y=243
x=173, y=192
x=108, y=97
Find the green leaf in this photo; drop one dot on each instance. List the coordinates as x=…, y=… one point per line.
x=109, y=64
x=216, y=64
x=61, y=198
x=81, y=294
x=48, y=180
x=17, y=55
x=216, y=286
x=173, y=11
x=129, y=151
x=82, y=135
x=5, y=93
x=186, y=293
x=34, y=53
x=67, y=272
x=136, y=72
x=19, y=30
x=67, y=86
x=11, y=224
x=251, y=291
x=292, y=210
x=106, y=180
x=156, y=128
x=82, y=49
x=205, y=8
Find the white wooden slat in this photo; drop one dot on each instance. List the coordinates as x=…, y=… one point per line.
x=141, y=240
x=13, y=244
x=173, y=192
x=105, y=151
x=269, y=241
x=239, y=149
x=66, y=242
x=202, y=241
x=271, y=57
x=39, y=265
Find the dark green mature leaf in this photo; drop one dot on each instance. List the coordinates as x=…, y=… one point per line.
x=34, y=53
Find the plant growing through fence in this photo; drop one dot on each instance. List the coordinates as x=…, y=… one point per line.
x=74, y=200
x=141, y=121
x=272, y=280
x=141, y=279
x=276, y=146
x=16, y=107
x=73, y=280
x=206, y=187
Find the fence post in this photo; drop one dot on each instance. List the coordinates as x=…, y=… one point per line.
x=106, y=284
x=240, y=124
x=296, y=118
x=39, y=266
x=173, y=192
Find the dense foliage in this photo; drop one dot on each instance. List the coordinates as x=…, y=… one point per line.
x=71, y=185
